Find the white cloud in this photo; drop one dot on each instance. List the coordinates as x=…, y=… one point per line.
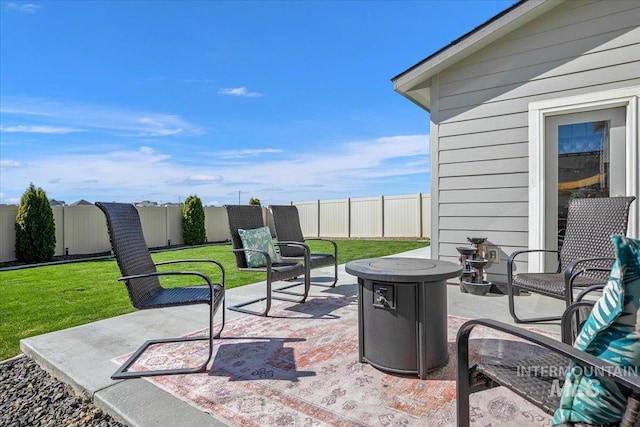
x=8, y=200
x=24, y=7
x=38, y=129
x=349, y=170
x=10, y=164
x=203, y=81
x=341, y=166
x=249, y=152
x=201, y=178
x=77, y=115
x=239, y=91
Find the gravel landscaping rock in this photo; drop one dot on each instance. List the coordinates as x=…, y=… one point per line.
x=30, y=396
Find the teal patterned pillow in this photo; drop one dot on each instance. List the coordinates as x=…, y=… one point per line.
x=258, y=239
x=612, y=333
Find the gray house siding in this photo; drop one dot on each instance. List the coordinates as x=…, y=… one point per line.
x=479, y=115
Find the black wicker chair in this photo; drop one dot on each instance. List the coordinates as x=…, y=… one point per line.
x=145, y=291
x=585, y=257
x=286, y=222
x=248, y=217
x=536, y=377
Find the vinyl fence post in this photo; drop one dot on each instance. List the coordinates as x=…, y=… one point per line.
x=382, y=214
x=318, y=218
x=419, y=215
x=349, y=217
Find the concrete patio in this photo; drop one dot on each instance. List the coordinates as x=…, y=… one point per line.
x=81, y=356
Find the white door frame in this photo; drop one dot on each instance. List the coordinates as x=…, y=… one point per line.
x=538, y=112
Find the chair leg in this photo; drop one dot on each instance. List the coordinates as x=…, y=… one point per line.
x=303, y=296
x=512, y=309
x=321, y=285
x=269, y=297
x=239, y=307
x=308, y=261
x=212, y=313
x=124, y=373
x=307, y=285
x=335, y=275
x=284, y=289
x=335, y=278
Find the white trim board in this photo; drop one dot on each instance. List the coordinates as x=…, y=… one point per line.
x=538, y=112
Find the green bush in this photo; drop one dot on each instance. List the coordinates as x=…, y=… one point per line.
x=255, y=201
x=193, y=231
x=35, y=227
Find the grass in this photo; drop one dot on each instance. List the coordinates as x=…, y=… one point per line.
x=43, y=299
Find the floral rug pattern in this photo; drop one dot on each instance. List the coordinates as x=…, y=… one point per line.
x=299, y=367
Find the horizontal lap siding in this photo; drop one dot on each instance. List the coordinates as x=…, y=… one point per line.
x=493, y=209
x=481, y=112
x=519, y=106
x=487, y=181
x=484, y=196
x=473, y=154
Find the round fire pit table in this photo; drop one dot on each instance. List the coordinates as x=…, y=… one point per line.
x=402, y=312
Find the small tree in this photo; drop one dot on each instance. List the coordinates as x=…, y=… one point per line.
x=193, y=230
x=35, y=227
x=254, y=201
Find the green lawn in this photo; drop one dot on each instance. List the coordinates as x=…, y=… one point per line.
x=38, y=300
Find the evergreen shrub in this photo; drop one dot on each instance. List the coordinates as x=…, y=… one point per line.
x=35, y=227
x=193, y=230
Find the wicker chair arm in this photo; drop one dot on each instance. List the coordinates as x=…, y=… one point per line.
x=570, y=272
x=570, y=275
x=525, y=251
x=305, y=248
x=575, y=264
x=173, y=273
x=197, y=261
x=319, y=239
x=626, y=378
x=588, y=290
x=294, y=244
x=512, y=258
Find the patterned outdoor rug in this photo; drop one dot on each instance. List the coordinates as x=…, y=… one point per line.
x=299, y=367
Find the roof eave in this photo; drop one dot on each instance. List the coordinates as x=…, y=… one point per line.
x=414, y=83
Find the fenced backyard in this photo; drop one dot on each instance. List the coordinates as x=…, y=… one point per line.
x=81, y=229
x=53, y=297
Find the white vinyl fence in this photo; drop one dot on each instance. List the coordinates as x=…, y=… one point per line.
x=406, y=216
x=82, y=229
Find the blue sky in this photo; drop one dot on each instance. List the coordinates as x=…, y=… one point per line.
x=158, y=100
